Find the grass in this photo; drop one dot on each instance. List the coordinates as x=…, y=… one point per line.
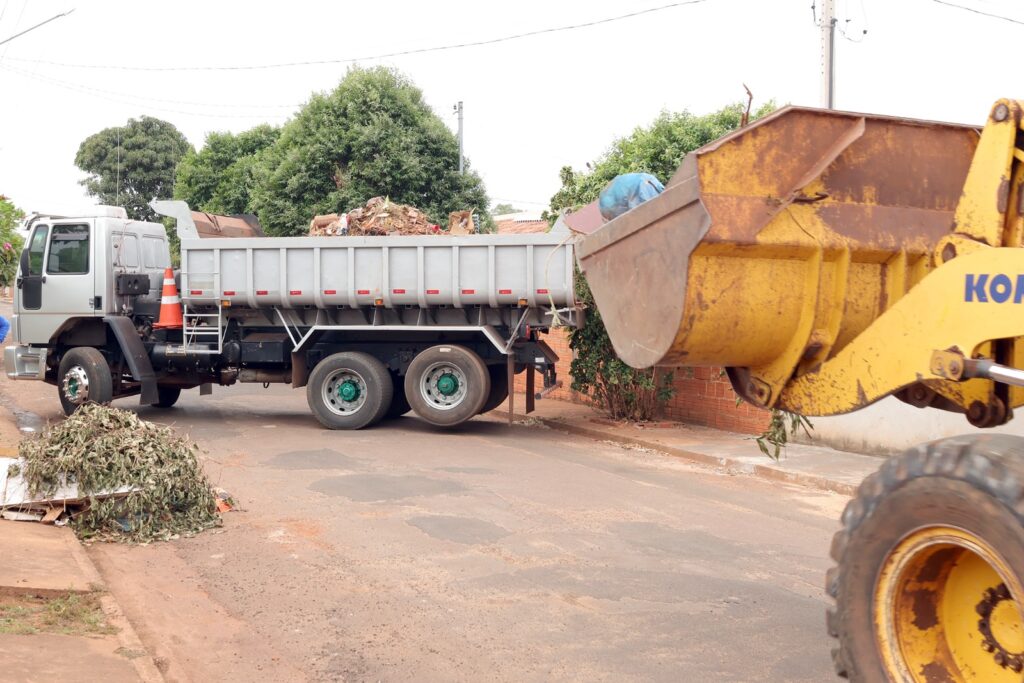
x=74, y=614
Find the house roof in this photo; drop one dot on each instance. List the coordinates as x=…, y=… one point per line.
x=506, y=227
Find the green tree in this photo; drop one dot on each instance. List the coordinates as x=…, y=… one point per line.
x=657, y=149
x=220, y=177
x=131, y=164
x=502, y=209
x=372, y=135
x=11, y=241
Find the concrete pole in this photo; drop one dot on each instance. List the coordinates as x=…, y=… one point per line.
x=828, y=53
x=458, y=108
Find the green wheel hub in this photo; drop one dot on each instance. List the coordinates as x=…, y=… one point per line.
x=348, y=391
x=448, y=384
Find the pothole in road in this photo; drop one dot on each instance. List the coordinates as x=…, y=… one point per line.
x=459, y=529
x=466, y=470
x=370, y=488
x=27, y=421
x=320, y=459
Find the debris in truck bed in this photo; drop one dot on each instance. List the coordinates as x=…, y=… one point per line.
x=330, y=225
x=380, y=216
x=461, y=223
x=134, y=480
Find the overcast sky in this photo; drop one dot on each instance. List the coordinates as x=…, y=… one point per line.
x=532, y=105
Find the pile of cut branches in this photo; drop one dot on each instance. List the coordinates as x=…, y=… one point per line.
x=164, y=492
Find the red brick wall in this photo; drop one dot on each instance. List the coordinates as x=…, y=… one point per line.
x=703, y=395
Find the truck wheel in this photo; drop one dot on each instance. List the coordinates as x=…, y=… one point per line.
x=499, y=388
x=168, y=396
x=399, y=403
x=349, y=390
x=929, y=571
x=83, y=376
x=447, y=384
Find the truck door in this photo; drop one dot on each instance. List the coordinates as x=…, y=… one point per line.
x=60, y=281
x=32, y=278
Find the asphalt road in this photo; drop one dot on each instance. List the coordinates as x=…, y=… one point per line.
x=491, y=552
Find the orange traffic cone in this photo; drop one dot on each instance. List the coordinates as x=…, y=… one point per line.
x=170, y=304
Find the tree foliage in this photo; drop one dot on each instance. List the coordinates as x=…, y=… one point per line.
x=373, y=135
x=221, y=177
x=130, y=165
x=502, y=209
x=11, y=241
x=657, y=149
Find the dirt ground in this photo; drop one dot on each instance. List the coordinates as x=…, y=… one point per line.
x=485, y=553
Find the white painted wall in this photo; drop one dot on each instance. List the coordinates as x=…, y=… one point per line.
x=891, y=426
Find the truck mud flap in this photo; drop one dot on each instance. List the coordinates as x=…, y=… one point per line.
x=136, y=356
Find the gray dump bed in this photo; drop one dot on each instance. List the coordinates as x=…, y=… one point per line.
x=424, y=271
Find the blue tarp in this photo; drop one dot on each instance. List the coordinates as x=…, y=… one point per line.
x=626, y=192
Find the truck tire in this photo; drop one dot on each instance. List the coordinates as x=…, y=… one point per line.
x=499, y=388
x=932, y=541
x=447, y=384
x=168, y=396
x=349, y=390
x=399, y=403
x=83, y=377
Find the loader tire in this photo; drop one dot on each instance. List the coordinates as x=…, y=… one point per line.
x=83, y=377
x=447, y=384
x=167, y=396
x=929, y=572
x=499, y=387
x=349, y=390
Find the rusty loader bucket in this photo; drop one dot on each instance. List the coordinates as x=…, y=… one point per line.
x=774, y=247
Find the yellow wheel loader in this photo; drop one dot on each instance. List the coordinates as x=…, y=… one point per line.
x=828, y=260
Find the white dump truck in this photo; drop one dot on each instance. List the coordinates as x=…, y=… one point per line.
x=371, y=326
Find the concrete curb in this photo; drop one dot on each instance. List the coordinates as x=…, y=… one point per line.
x=730, y=464
x=135, y=651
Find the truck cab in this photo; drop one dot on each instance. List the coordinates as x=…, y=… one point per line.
x=66, y=281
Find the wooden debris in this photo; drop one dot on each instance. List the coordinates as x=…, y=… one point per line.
x=380, y=216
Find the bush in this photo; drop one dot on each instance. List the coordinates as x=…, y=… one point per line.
x=624, y=392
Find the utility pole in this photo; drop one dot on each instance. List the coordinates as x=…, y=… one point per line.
x=458, y=109
x=828, y=53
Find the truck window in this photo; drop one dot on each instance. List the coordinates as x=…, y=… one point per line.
x=126, y=251
x=35, y=250
x=154, y=252
x=69, y=250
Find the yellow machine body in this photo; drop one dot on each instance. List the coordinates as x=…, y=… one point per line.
x=827, y=260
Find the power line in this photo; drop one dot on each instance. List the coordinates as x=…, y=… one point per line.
x=348, y=60
x=123, y=99
x=33, y=28
x=17, y=23
x=978, y=11
x=144, y=98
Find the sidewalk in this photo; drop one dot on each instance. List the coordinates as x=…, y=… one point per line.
x=815, y=466
x=57, y=622
x=84, y=636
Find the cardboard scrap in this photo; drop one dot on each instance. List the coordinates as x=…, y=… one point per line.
x=461, y=223
x=17, y=502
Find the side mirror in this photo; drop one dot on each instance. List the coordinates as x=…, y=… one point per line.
x=23, y=264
